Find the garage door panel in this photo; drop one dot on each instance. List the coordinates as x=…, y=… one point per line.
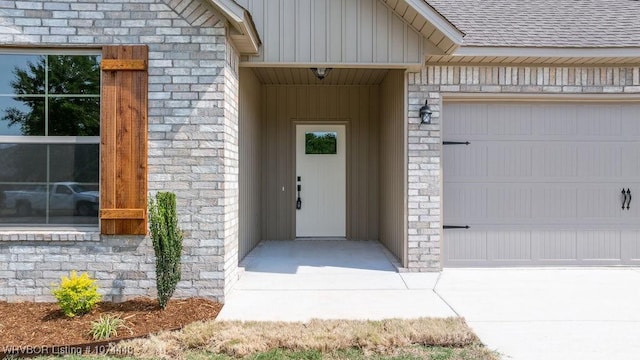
x=556, y=120
x=540, y=184
x=510, y=120
x=552, y=203
x=543, y=204
x=508, y=159
x=466, y=246
x=470, y=119
x=466, y=163
x=511, y=201
x=555, y=245
x=630, y=244
x=509, y=246
x=554, y=160
x=468, y=203
x=630, y=121
x=568, y=247
x=629, y=161
x=592, y=124
x=601, y=160
x=599, y=245
x=599, y=202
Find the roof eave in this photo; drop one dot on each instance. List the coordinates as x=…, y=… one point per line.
x=441, y=23
x=552, y=52
x=246, y=36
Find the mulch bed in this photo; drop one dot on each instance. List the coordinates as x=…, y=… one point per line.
x=43, y=324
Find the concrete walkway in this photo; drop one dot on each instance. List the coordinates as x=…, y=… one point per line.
x=524, y=314
x=302, y=280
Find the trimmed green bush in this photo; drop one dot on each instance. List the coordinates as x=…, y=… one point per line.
x=77, y=295
x=167, y=243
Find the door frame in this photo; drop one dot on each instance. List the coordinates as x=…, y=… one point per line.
x=292, y=183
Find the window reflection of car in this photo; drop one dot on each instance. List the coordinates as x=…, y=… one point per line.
x=64, y=197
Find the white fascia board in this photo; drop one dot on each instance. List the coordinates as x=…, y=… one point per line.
x=547, y=52
x=437, y=20
x=241, y=20
x=230, y=9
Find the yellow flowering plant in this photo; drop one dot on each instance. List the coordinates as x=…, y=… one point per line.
x=77, y=295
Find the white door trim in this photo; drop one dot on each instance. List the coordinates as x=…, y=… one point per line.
x=343, y=145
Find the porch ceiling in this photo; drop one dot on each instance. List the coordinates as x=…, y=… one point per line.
x=304, y=76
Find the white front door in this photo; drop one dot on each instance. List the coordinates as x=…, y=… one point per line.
x=321, y=181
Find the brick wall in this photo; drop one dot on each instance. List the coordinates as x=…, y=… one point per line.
x=424, y=141
x=231, y=166
x=192, y=146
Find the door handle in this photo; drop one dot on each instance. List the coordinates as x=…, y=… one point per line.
x=299, y=201
x=626, y=198
x=629, y=200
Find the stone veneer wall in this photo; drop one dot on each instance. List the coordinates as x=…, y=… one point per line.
x=192, y=146
x=424, y=141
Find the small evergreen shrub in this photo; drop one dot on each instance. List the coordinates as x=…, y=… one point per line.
x=167, y=243
x=106, y=327
x=77, y=295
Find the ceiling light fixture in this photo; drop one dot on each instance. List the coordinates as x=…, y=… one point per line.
x=320, y=73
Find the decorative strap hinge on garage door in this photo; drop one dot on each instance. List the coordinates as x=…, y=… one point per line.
x=455, y=143
x=455, y=227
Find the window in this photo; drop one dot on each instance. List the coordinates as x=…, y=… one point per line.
x=49, y=139
x=321, y=142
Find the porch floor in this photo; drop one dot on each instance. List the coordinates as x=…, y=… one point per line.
x=329, y=279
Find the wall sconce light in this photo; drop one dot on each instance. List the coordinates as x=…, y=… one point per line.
x=425, y=113
x=320, y=73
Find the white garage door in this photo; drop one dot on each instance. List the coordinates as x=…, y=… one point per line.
x=541, y=184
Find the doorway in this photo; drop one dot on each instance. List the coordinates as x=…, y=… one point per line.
x=321, y=181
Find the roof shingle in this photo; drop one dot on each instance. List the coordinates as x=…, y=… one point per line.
x=544, y=23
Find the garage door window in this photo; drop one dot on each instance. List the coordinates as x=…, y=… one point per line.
x=49, y=139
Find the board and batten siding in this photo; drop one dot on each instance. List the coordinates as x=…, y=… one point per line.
x=393, y=164
x=286, y=105
x=332, y=32
x=250, y=176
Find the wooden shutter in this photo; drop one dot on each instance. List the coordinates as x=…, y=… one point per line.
x=123, y=132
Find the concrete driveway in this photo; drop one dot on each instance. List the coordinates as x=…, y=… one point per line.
x=573, y=313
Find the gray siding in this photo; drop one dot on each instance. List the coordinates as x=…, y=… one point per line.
x=393, y=164
x=250, y=138
x=332, y=32
x=358, y=106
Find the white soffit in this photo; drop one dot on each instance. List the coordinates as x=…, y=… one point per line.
x=547, y=52
x=439, y=21
x=432, y=25
x=245, y=36
x=539, y=55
